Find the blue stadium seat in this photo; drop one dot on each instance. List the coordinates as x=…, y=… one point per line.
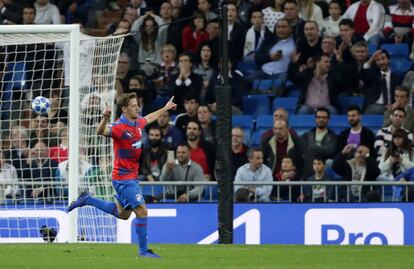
x=255, y=141
x=265, y=86
x=264, y=122
x=347, y=101
x=373, y=122
x=338, y=123
x=246, y=67
x=288, y=103
x=397, y=51
x=371, y=49
x=210, y=193
x=13, y=80
x=255, y=105
x=152, y=190
x=302, y=123
x=401, y=66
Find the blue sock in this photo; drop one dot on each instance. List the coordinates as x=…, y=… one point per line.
x=106, y=206
x=141, y=230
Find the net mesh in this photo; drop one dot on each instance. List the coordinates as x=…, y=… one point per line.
x=34, y=160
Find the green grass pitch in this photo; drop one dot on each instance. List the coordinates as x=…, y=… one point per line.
x=119, y=256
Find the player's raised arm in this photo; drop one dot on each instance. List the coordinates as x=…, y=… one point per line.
x=154, y=115
x=103, y=128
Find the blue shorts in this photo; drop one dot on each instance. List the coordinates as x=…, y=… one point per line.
x=129, y=193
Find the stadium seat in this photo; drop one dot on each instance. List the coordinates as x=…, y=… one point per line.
x=266, y=86
x=288, y=103
x=264, y=122
x=257, y=135
x=347, y=101
x=255, y=105
x=14, y=79
x=338, y=123
x=243, y=121
x=373, y=122
x=302, y=123
x=401, y=66
x=397, y=51
x=210, y=193
x=371, y=49
x=246, y=67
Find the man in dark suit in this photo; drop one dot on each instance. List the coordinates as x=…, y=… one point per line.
x=380, y=83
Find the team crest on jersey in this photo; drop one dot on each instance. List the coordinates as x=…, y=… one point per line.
x=139, y=197
x=128, y=134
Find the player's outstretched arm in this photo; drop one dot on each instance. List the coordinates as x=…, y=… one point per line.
x=154, y=115
x=103, y=128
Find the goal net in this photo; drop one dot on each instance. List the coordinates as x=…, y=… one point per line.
x=46, y=159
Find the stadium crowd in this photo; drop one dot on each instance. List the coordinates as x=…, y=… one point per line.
x=316, y=51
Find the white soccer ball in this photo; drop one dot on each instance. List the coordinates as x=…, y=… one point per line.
x=41, y=105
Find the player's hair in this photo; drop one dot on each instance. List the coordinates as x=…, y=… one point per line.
x=123, y=101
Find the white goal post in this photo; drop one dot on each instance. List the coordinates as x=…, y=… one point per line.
x=60, y=63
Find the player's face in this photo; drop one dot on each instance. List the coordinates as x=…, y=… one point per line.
x=132, y=110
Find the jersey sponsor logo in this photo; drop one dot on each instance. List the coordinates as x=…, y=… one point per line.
x=346, y=226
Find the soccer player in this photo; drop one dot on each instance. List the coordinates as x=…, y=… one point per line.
x=126, y=135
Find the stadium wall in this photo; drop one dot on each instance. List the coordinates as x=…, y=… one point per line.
x=347, y=224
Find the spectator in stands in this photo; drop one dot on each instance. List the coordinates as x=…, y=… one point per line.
x=238, y=89
x=177, y=26
x=145, y=95
x=398, y=158
x=328, y=46
x=170, y=134
x=19, y=148
x=166, y=14
x=356, y=135
x=195, y=33
x=401, y=100
x=40, y=130
x=140, y=6
x=279, y=114
x=9, y=187
x=317, y=193
x=150, y=39
x=58, y=116
x=185, y=82
x=128, y=45
x=380, y=82
x=400, y=191
x=206, y=66
x=236, y=34
x=319, y=86
x=213, y=29
x=28, y=14
x=282, y=144
x=320, y=141
x=208, y=125
x=41, y=171
x=256, y=34
x=202, y=151
x=61, y=190
x=310, y=46
x=190, y=105
x=123, y=73
x=255, y=171
x=287, y=173
x=275, y=53
x=347, y=39
x=383, y=140
x=330, y=25
x=183, y=169
x=205, y=7
x=238, y=149
x=168, y=69
x=291, y=10
x=154, y=155
x=362, y=167
x=309, y=11
x=10, y=12
x=60, y=153
x=76, y=10
x=398, y=27
x=46, y=13
x=243, y=11
x=272, y=13
x=368, y=17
